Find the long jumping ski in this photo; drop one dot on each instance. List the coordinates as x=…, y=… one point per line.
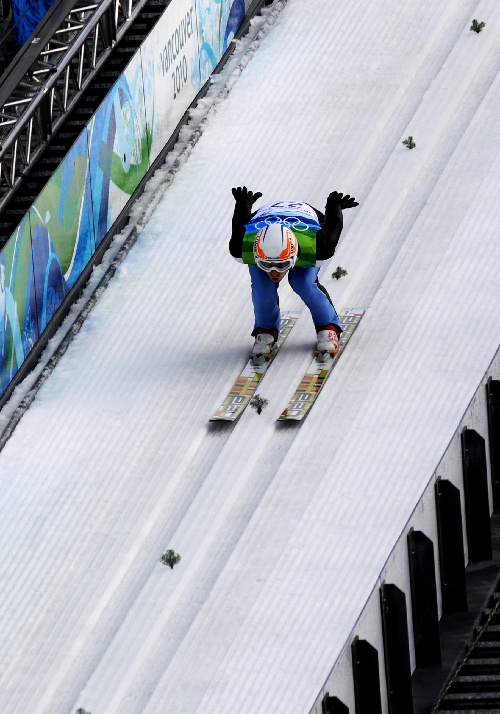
x=250, y=378
x=318, y=372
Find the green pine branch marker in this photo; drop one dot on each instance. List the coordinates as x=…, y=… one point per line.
x=258, y=403
x=476, y=26
x=409, y=143
x=339, y=273
x=170, y=558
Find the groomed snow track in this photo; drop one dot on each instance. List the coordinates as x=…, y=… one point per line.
x=283, y=530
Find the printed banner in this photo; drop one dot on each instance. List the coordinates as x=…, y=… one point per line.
x=58, y=237
x=19, y=322
x=120, y=148
x=178, y=59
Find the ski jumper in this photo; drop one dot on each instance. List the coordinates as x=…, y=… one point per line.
x=317, y=237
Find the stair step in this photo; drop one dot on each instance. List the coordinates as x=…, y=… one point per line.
x=484, y=704
x=58, y=148
x=483, y=685
x=131, y=43
x=482, y=652
x=19, y=204
x=490, y=635
x=478, y=670
x=81, y=123
x=49, y=162
x=41, y=174
x=16, y=214
x=111, y=73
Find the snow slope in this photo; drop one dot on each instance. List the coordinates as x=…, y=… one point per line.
x=283, y=530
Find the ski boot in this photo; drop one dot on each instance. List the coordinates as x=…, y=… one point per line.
x=264, y=346
x=328, y=343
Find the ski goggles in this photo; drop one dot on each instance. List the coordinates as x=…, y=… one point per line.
x=281, y=266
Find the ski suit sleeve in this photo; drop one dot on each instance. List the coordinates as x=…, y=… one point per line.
x=244, y=200
x=327, y=237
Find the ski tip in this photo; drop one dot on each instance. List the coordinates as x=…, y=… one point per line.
x=223, y=418
x=290, y=416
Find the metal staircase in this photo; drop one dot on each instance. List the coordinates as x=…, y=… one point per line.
x=475, y=683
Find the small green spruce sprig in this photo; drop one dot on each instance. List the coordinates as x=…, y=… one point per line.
x=258, y=403
x=477, y=26
x=339, y=273
x=170, y=558
x=82, y=711
x=409, y=143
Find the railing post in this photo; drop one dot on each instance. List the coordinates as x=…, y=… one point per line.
x=396, y=649
x=451, y=547
x=424, y=599
x=365, y=669
x=477, y=510
x=493, y=407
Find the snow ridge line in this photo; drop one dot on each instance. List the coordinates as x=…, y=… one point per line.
x=153, y=658
x=426, y=84
x=213, y=540
x=194, y=472
x=433, y=155
x=140, y=213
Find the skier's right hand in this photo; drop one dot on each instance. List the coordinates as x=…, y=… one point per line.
x=338, y=199
x=241, y=193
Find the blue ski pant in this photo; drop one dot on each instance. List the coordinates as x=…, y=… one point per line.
x=303, y=281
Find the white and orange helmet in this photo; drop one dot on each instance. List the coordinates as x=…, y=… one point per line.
x=275, y=248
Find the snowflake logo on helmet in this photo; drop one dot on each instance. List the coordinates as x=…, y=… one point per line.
x=276, y=248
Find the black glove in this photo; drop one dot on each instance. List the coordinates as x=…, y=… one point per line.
x=243, y=194
x=336, y=198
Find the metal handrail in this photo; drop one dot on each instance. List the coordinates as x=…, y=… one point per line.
x=48, y=76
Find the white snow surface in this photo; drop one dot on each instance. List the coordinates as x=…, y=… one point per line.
x=282, y=530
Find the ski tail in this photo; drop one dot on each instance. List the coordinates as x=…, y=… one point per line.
x=317, y=373
x=246, y=384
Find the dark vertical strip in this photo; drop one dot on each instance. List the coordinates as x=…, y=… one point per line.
x=451, y=548
x=396, y=650
x=493, y=407
x=365, y=669
x=477, y=510
x=424, y=600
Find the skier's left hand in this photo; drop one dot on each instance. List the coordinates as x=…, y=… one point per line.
x=241, y=193
x=348, y=202
x=336, y=198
